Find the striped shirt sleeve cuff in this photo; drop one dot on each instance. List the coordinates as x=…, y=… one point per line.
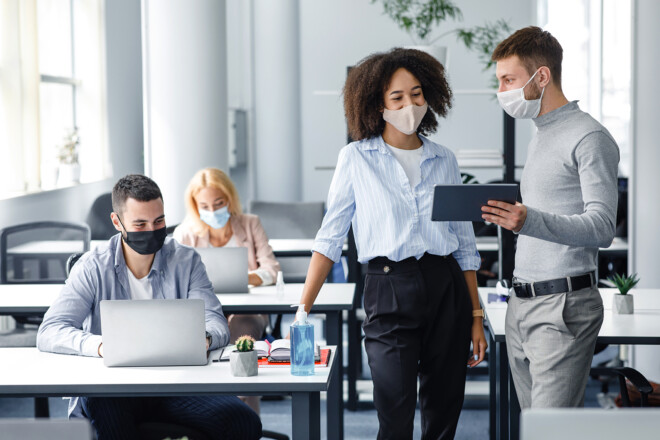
x=468, y=262
x=327, y=249
x=91, y=346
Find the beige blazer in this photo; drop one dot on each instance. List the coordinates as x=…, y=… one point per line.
x=248, y=232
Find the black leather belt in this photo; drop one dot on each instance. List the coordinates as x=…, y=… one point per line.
x=559, y=285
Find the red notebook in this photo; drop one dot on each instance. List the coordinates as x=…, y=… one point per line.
x=325, y=357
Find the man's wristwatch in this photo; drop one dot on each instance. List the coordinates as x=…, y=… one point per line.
x=478, y=313
x=209, y=337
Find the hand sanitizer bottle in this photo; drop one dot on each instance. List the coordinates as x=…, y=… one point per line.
x=279, y=286
x=302, y=344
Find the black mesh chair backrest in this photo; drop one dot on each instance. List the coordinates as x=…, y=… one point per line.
x=98, y=218
x=37, y=252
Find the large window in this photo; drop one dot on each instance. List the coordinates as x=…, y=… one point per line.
x=596, y=38
x=52, y=95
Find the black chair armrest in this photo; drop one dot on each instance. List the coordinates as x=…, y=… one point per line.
x=639, y=382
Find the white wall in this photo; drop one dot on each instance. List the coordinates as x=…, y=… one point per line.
x=185, y=94
x=644, y=209
x=336, y=34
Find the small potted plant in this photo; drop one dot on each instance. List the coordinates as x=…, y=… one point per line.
x=623, y=302
x=69, y=169
x=243, y=360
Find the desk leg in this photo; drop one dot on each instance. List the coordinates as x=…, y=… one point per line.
x=492, y=395
x=514, y=411
x=336, y=390
x=306, y=416
x=502, y=392
x=354, y=348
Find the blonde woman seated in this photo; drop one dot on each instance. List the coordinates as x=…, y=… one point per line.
x=214, y=218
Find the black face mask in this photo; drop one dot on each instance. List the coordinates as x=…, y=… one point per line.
x=144, y=242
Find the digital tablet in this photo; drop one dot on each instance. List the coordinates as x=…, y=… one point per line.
x=464, y=202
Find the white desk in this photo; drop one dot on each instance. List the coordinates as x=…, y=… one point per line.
x=27, y=372
x=642, y=327
x=295, y=247
x=333, y=299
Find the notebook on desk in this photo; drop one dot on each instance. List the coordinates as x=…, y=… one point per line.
x=227, y=268
x=156, y=332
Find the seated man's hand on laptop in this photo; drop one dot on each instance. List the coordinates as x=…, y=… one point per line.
x=100, y=350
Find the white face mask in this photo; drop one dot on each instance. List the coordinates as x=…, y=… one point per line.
x=407, y=119
x=514, y=103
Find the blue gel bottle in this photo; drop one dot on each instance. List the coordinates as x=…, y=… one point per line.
x=302, y=344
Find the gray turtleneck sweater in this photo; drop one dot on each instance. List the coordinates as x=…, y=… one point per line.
x=569, y=186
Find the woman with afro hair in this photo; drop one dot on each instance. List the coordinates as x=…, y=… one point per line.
x=420, y=290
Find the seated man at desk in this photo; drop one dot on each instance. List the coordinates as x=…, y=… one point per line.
x=140, y=263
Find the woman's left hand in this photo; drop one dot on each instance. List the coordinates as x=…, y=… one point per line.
x=479, y=343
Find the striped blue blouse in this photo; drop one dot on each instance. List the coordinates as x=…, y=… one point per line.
x=391, y=219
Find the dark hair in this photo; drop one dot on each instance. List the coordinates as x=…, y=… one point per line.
x=134, y=186
x=367, y=82
x=535, y=48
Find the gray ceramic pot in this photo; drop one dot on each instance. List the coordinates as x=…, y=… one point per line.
x=623, y=304
x=243, y=363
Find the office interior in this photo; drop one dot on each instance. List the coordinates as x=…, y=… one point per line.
x=253, y=87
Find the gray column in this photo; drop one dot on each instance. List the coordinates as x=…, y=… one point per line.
x=185, y=93
x=644, y=208
x=124, y=87
x=277, y=163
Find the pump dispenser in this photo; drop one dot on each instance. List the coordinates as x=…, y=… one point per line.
x=302, y=344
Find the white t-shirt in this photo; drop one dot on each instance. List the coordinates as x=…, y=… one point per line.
x=411, y=161
x=140, y=289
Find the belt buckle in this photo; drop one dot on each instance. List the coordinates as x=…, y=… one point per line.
x=531, y=288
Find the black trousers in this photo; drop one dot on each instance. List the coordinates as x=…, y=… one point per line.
x=219, y=417
x=418, y=323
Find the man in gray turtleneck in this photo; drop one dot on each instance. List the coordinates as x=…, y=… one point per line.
x=569, y=194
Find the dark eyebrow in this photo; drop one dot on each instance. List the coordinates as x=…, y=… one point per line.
x=139, y=220
x=219, y=199
x=401, y=91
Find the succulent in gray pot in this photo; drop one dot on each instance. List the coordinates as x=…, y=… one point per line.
x=623, y=302
x=243, y=360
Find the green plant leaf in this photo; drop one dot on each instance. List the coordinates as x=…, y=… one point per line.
x=624, y=283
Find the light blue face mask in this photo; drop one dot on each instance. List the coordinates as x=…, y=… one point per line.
x=215, y=219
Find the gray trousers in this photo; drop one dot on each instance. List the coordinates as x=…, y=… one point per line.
x=550, y=341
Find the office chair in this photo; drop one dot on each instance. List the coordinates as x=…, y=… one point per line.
x=639, y=384
x=35, y=253
x=98, y=218
x=161, y=430
x=290, y=220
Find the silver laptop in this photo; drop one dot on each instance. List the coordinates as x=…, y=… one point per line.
x=227, y=268
x=589, y=423
x=156, y=332
x=52, y=429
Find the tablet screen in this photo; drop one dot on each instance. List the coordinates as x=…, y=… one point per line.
x=464, y=202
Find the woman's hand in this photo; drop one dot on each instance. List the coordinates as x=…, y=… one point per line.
x=479, y=343
x=254, y=279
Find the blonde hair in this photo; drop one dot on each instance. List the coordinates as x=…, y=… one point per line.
x=209, y=178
